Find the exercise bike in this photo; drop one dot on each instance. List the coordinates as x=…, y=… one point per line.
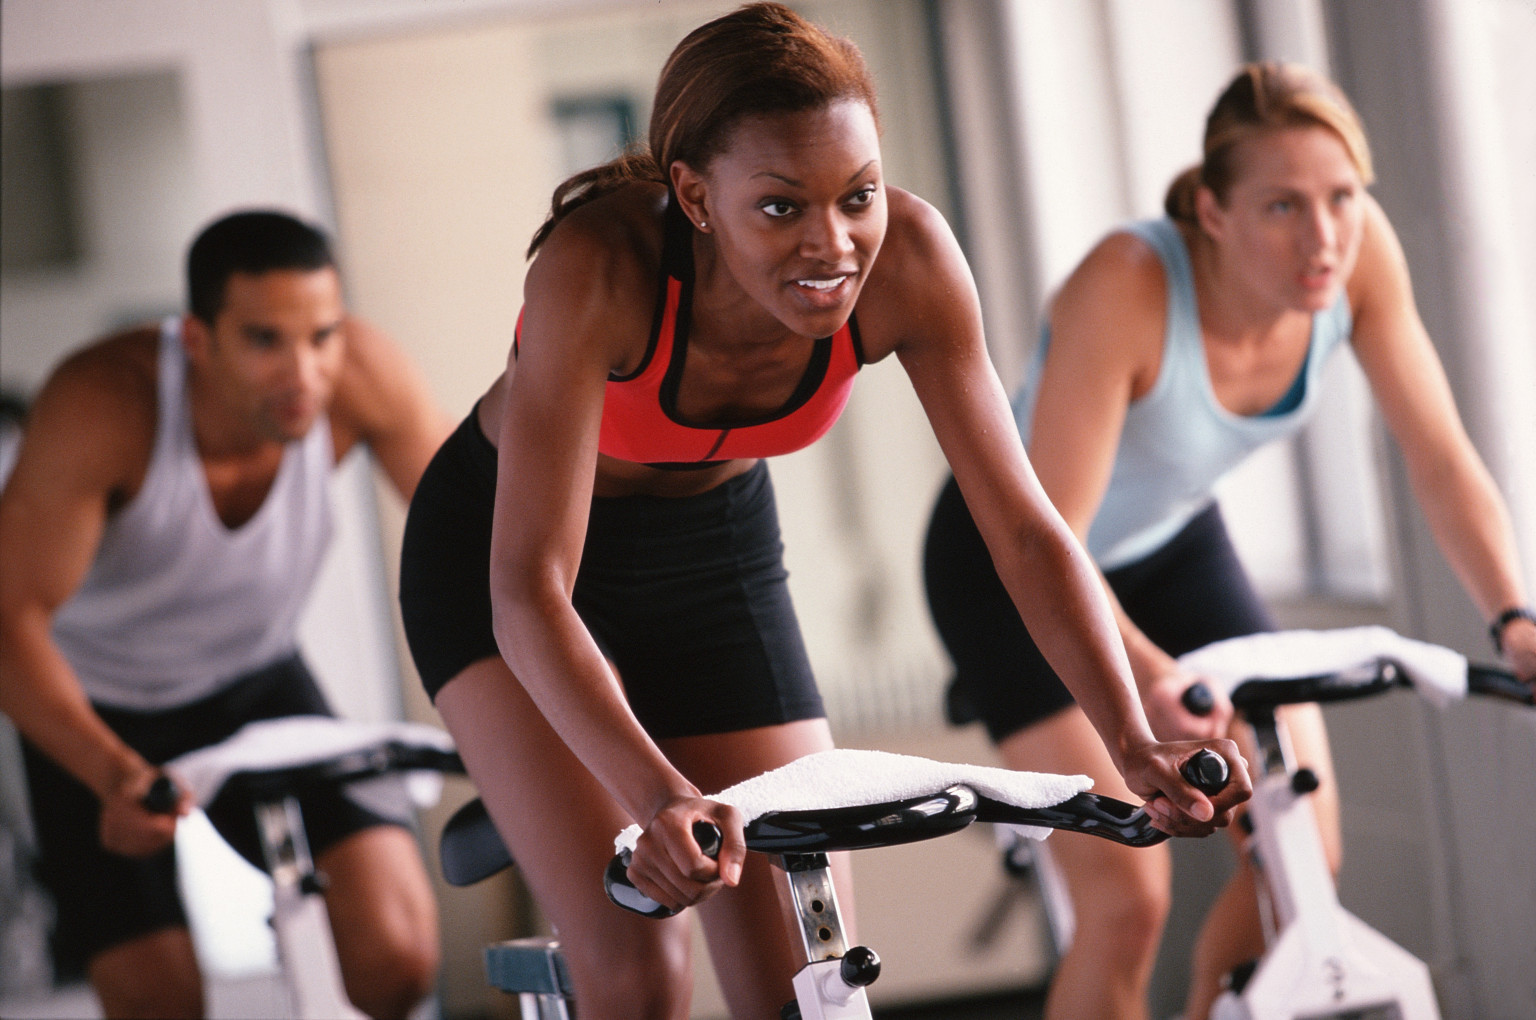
x=1321, y=962
x=831, y=985
x=271, y=763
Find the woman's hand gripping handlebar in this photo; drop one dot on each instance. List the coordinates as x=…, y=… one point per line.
x=1189, y=790
x=622, y=891
x=1208, y=773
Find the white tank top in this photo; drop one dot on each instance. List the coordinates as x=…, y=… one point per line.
x=176, y=603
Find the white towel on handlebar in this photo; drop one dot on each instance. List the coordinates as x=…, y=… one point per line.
x=847, y=777
x=293, y=741
x=1437, y=673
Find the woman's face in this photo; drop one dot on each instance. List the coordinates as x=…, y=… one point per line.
x=1291, y=224
x=796, y=204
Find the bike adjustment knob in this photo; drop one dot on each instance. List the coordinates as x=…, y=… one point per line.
x=1206, y=771
x=1304, y=780
x=860, y=966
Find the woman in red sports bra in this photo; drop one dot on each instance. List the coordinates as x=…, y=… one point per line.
x=632, y=643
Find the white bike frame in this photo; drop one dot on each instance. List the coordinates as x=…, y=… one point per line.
x=306, y=950
x=261, y=756
x=1320, y=961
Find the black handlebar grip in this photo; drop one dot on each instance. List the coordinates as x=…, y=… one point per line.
x=1206, y=771
x=163, y=796
x=1500, y=683
x=708, y=837
x=1197, y=699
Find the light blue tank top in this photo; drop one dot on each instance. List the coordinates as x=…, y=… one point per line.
x=1178, y=440
x=176, y=603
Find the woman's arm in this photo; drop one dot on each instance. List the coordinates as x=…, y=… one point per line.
x=581, y=293
x=1055, y=585
x=1466, y=514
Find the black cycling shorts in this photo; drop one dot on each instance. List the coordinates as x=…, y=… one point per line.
x=1190, y=592
x=688, y=598
x=105, y=899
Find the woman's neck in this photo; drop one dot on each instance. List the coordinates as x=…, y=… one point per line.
x=1232, y=312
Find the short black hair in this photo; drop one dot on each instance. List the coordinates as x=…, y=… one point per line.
x=251, y=241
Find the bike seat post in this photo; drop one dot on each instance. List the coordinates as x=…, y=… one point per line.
x=283, y=843
x=299, y=921
x=1275, y=754
x=810, y=886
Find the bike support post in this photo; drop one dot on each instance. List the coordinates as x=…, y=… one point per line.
x=1323, y=962
x=304, y=944
x=820, y=986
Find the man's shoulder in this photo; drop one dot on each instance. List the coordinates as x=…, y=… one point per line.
x=126, y=364
x=108, y=387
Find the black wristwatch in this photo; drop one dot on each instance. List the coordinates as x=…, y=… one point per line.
x=1504, y=619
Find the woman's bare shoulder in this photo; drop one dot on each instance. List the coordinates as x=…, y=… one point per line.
x=1120, y=278
x=594, y=279
x=919, y=277
x=609, y=239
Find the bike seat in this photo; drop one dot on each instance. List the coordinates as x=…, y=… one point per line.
x=470, y=849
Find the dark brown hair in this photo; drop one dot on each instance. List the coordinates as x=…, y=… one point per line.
x=1266, y=97
x=249, y=241
x=762, y=58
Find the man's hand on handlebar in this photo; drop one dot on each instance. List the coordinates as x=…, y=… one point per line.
x=669, y=864
x=132, y=824
x=1172, y=803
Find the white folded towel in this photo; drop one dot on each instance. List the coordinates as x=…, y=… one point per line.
x=293, y=741
x=846, y=777
x=1439, y=674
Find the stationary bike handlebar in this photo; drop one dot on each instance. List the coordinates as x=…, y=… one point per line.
x=1376, y=677
x=894, y=823
x=361, y=763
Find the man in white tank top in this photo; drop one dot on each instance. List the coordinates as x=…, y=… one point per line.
x=167, y=514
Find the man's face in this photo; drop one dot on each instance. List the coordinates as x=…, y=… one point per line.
x=272, y=355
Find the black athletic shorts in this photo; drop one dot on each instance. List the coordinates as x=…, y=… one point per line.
x=1190, y=592
x=688, y=598
x=104, y=899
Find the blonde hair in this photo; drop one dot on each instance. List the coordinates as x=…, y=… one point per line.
x=1266, y=97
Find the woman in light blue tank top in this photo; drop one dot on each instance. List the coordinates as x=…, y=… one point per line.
x=1176, y=348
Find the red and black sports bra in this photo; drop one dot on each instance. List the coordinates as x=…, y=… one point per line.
x=641, y=422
